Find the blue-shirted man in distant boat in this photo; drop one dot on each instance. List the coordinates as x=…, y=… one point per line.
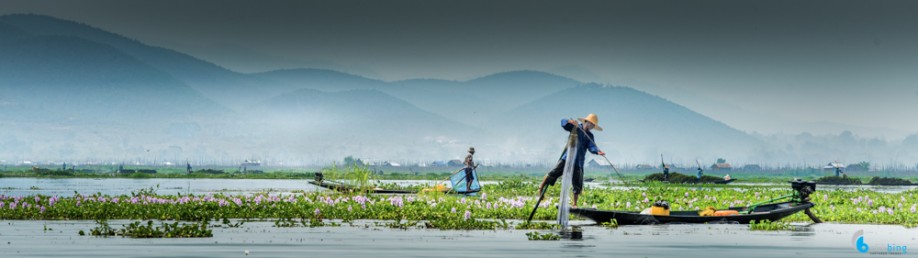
x=469, y=169
x=585, y=142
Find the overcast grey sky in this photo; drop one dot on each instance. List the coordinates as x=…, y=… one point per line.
x=763, y=66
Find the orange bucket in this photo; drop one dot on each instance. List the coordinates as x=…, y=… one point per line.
x=726, y=213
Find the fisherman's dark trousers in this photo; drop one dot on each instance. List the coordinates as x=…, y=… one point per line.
x=577, y=177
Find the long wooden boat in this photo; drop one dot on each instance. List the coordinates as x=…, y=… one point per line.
x=771, y=212
x=349, y=188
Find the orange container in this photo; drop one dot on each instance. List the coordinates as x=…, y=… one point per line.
x=726, y=213
x=659, y=211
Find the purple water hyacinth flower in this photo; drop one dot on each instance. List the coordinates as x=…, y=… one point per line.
x=882, y=209
x=1, y=205
x=890, y=211
x=453, y=210
x=488, y=206
x=13, y=205
x=874, y=212
x=913, y=209
x=41, y=209
x=628, y=205
x=115, y=200
x=349, y=209
x=646, y=200
x=396, y=201
x=468, y=215
x=462, y=200
x=825, y=197
x=643, y=194
x=317, y=212
x=237, y=201
x=686, y=194
x=870, y=203
x=484, y=196
x=78, y=204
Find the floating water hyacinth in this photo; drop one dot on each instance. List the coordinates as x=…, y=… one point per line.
x=317, y=212
x=468, y=215
x=913, y=209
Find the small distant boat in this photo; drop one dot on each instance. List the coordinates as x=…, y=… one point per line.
x=349, y=188
x=725, y=181
x=457, y=180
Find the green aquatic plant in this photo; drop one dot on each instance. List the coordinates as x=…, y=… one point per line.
x=148, y=230
x=769, y=226
x=535, y=235
x=610, y=224
x=446, y=211
x=537, y=225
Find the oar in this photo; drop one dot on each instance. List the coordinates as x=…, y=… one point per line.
x=812, y=216
x=541, y=196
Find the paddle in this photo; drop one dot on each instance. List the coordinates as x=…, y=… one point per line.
x=541, y=196
x=812, y=216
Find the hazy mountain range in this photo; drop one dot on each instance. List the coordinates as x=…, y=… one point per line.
x=69, y=91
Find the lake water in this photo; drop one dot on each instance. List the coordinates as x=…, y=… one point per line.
x=119, y=186
x=261, y=239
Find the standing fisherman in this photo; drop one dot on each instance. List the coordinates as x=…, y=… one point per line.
x=665, y=169
x=469, y=168
x=585, y=141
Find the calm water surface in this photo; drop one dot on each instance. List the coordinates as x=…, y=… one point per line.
x=261, y=239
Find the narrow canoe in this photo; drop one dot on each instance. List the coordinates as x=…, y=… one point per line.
x=771, y=212
x=349, y=188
